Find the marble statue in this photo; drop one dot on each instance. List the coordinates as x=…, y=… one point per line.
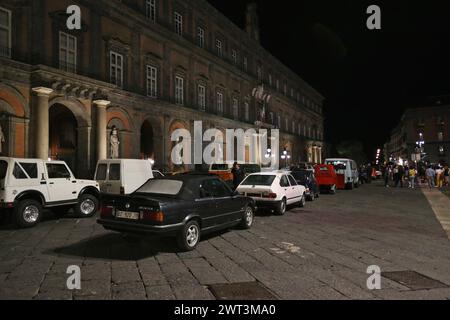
x=114, y=143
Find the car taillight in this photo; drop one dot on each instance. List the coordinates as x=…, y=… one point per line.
x=122, y=190
x=106, y=211
x=157, y=216
x=270, y=195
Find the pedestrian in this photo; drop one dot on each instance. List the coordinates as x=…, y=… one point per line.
x=387, y=174
x=412, y=173
x=395, y=173
x=407, y=175
x=401, y=174
x=430, y=174
x=238, y=175
x=446, y=175
x=439, y=177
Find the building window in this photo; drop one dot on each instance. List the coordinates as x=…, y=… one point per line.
x=293, y=126
x=116, y=69
x=259, y=73
x=246, y=111
x=309, y=132
x=219, y=47
x=235, y=108
x=150, y=10
x=152, y=81
x=441, y=150
x=279, y=122
x=292, y=93
x=179, y=90
x=278, y=85
x=299, y=129
x=440, y=136
x=286, y=124
x=285, y=89
x=201, y=93
x=178, y=23
x=234, y=56
x=245, y=64
x=5, y=33
x=201, y=37
x=270, y=80
x=219, y=102
x=67, y=52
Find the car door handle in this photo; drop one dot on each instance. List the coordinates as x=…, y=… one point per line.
x=51, y=183
x=43, y=182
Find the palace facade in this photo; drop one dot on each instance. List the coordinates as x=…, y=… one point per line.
x=147, y=67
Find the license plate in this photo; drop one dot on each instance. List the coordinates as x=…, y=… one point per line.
x=127, y=215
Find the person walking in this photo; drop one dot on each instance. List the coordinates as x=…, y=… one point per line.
x=439, y=177
x=430, y=174
x=238, y=175
x=412, y=173
x=387, y=174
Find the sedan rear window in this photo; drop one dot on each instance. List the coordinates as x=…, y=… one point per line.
x=259, y=180
x=165, y=187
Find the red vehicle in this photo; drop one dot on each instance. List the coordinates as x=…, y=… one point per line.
x=326, y=178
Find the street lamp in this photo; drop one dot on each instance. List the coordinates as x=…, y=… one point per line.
x=285, y=156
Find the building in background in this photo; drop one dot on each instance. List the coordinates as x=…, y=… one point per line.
x=423, y=134
x=147, y=67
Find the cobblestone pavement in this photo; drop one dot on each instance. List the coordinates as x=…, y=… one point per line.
x=318, y=252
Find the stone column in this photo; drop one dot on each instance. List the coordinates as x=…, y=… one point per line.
x=101, y=129
x=42, y=122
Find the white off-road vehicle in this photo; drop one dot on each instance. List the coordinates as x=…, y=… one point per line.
x=29, y=185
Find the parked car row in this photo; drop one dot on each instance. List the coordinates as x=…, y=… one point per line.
x=134, y=198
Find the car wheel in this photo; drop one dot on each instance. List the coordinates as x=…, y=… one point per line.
x=28, y=213
x=87, y=206
x=189, y=237
x=312, y=197
x=281, y=208
x=302, y=202
x=247, y=220
x=356, y=184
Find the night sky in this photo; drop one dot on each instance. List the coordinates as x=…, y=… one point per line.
x=367, y=77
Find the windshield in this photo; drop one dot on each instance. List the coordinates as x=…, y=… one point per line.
x=219, y=167
x=3, y=168
x=259, y=180
x=165, y=187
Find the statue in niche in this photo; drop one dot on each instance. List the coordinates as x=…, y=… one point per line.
x=114, y=143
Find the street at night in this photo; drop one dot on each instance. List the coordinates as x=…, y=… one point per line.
x=205, y=159
x=321, y=251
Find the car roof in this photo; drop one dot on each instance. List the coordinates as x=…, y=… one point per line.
x=270, y=173
x=338, y=159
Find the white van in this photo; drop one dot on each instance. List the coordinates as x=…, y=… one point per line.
x=348, y=168
x=122, y=176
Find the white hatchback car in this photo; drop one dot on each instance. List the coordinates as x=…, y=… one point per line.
x=274, y=190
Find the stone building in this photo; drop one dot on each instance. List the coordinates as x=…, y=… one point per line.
x=147, y=67
x=427, y=128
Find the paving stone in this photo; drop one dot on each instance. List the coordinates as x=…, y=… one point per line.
x=192, y=292
x=160, y=292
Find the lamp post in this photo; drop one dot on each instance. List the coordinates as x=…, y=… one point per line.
x=285, y=156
